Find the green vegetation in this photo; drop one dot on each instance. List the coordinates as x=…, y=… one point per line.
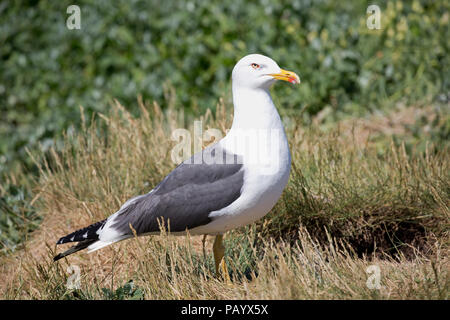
x=17, y=215
x=369, y=129
x=146, y=48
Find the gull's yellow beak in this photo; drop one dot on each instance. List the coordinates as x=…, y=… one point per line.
x=286, y=76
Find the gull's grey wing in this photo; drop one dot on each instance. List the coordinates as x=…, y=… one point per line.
x=208, y=181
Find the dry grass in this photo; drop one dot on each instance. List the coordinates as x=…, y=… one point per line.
x=165, y=268
x=338, y=182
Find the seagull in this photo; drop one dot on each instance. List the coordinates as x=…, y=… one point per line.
x=229, y=184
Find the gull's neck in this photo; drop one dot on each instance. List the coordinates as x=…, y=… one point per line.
x=257, y=133
x=254, y=109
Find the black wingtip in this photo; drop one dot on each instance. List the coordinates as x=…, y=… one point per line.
x=87, y=233
x=79, y=246
x=57, y=257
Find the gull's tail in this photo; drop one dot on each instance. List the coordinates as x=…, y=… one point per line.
x=85, y=237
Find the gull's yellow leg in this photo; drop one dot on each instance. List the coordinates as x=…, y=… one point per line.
x=203, y=244
x=219, y=252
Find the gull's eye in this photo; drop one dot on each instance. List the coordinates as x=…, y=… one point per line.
x=255, y=66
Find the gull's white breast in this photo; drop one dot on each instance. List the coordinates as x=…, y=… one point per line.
x=261, y=141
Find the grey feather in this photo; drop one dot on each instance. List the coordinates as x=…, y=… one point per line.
x=208, y=181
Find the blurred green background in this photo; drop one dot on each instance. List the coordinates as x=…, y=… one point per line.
x=129, y=48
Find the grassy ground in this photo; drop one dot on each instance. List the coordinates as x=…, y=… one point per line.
x=359, y=204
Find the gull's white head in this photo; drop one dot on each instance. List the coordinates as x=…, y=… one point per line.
x=257, y=71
